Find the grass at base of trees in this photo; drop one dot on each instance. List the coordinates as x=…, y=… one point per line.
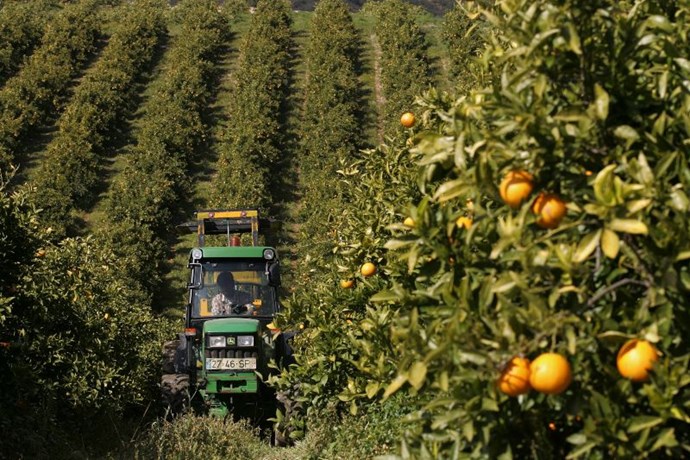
x=365, y=435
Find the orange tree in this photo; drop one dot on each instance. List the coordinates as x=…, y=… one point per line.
x=249, y=168
x=152, y=191
x=330, y=123
x=21, y=27
x=34, y=93
x=94, y=119
x=589, y=100
x=78, y=342
x=374, y=184
x=405, y=70
x=464, y=40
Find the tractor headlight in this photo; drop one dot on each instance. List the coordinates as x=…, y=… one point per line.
x=269, y=254
x=216, y=341
x=245, y=341
x=197, y=254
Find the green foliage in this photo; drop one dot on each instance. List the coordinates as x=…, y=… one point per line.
x=603, y=130
x=71, y=169
x=331, y=126
x=21, y=28
x=18, y=240
x=144, y=200
x=248, y=168
x=376, y=183
x=462, y=302
x=79, y=339
x=374, y=432
x=192, y=437
x=405, y=70
x=463, y=34
x=31, y=95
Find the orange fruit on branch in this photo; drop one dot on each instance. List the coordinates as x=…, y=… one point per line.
x=550, y=373
x=550, y=210
x=515, y=187
x=635, y=359
x=347, y=284
x=407, y=119
x=368, y=269
x=514, y=379
x=464, y=221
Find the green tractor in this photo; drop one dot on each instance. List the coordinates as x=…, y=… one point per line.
x=219, y=363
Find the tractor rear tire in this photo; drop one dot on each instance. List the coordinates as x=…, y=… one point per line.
x=175, y=392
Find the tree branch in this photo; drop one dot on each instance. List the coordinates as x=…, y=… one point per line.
x=613, y=287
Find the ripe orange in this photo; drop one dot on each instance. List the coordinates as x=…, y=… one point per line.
x=347, y=284
x=550, y=373
x=516, y=187
x=407, y=119
x=464, y=222
x=635, y=359
x=409, y=222
x=514, y=379
x=368, y=269
x=550, y=209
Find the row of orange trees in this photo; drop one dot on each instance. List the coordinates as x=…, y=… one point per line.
x=252, y=146
x=585, y=101
x=464, y=37
x=72, y=167
x=33, y=94
x=151, y=194
x=21, y=28
x=354, y=225
x=79, y=341
x=330, y=121
x=329, y=132
x=404, y=63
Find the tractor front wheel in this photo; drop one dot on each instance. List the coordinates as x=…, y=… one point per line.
x=175, y=392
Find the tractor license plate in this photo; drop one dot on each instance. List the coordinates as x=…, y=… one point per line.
x=230, y=364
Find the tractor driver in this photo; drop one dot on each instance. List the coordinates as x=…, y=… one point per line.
x=229, y=300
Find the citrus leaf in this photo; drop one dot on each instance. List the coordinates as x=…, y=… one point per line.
x=450, y=190
x=353, y=407
x=610, y=243
x=392, y=245
x=613, y=335
x=385, y=296
x=627, y=133
x=603, y=185
x=582, y=450
x=601, y=102
x=587, y=246
x=417, y=374
x=372, y=389
x=573, y=39
x=667, y=438
x=633, y=226
x=577, y=439
x=395, y=385
x=683, y=256
x=468, y=430
x=679, y=414
x=637, y=205
x=489, y=404
x=643, y=422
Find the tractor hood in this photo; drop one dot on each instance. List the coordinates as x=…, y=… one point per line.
x=234, y=325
